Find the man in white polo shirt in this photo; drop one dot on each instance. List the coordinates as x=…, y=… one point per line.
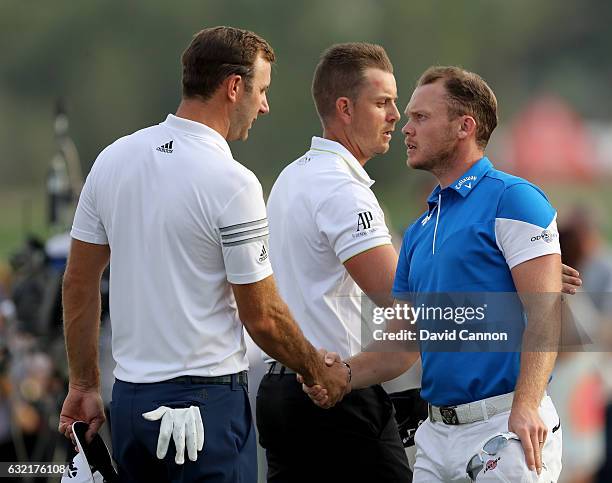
x=328, y=243
x=184, y=227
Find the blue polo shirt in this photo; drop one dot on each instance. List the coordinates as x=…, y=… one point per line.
x=473, y=233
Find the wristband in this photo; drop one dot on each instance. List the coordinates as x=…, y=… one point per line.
x=350, y=372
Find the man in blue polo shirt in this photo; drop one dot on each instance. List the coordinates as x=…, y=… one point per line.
x=490, y=236
x=484, y=231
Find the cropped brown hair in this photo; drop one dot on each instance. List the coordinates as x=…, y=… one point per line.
x=218, y=52
x=467, y=94
x=340, y=73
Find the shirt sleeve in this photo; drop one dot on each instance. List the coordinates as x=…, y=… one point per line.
x=243, y=231
x=87, y=225
x=352, y=220
x=525, y=225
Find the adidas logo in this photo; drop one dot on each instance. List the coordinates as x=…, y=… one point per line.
x=166, y=148
x=263, y=256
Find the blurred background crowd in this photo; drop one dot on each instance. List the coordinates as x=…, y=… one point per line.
x=75, y=76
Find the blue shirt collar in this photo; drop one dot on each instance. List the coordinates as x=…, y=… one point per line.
x=465, y=183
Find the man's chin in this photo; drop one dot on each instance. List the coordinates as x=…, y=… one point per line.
x=382, y=149
x=238, y=135
x=245, y=134
x=414, y=163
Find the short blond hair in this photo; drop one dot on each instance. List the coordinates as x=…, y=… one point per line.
x=340, y=73
x=467, y=93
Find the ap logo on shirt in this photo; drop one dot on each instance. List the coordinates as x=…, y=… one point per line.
x=364, y=224
x=364, y=220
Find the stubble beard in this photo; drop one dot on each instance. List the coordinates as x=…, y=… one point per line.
x=438, y=162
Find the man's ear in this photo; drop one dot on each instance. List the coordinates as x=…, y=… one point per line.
x=234, y=86
x=344, y=109
x=467, y=127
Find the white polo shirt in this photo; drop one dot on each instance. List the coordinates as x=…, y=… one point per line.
x=322, y=212
x=182, y=219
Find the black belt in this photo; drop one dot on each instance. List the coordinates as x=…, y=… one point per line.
x=240, y=378
x=278, y=368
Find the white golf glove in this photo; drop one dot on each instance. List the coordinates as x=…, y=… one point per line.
x=184, y=426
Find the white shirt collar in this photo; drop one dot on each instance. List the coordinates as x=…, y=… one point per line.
x=198, y=129
x=327, y=145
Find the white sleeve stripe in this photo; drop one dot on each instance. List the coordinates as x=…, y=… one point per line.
x=246, y=240
x=255, y=231
x=520, y=241
x=526, y=255
x=357, y=250
x=527, y=224
x=363, y=245
x=246, y=237
x=247, y=224
x=263, y=224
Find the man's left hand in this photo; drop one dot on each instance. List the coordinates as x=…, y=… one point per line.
x=525, y=421
x=571, y=279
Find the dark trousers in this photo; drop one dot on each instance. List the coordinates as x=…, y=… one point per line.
x=229, y=453
x=356, y=440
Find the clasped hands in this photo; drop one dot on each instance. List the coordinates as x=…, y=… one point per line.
x=333, y=383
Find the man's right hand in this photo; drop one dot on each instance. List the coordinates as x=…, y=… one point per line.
x=82, y=404
x=324, y=394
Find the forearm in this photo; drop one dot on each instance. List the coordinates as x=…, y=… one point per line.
x=538, y=282
x=281, y=338
x=369, y=368
x=539, y=347
x=535, y=371
x=389, y=355
x=81, y=325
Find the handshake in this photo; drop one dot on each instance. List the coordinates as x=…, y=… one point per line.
x=333, y=382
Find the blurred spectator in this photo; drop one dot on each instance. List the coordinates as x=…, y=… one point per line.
x=596, y=272
x=6, y=313
x=581, y=386
x=33, y=376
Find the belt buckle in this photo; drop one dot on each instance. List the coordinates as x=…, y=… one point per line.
x=449, y=415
